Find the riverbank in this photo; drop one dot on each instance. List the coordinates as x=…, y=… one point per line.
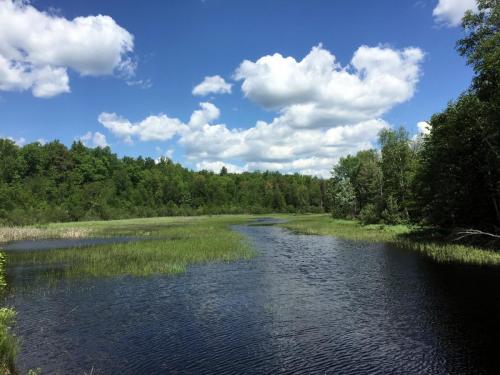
x=402, y=236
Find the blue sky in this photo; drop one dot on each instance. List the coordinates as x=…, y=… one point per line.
x=154, y=53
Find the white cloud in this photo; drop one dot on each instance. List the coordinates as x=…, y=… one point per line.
x=21, y=141
x=96, y=139
x=152, y=128
x=318, y=92
x=273, y=146
x=206, y=114
x=37, y=49
x=450, y=12
x=323, y=111
x=424, y=128
x=276, y=146
x=212, y=85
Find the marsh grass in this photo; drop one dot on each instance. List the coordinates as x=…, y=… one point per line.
x=452, y=253
x=8, y=234
x=429, y=243
x=172, y=245
x=348, y=229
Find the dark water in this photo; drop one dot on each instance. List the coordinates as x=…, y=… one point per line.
x=307, y=304
x=32, y=245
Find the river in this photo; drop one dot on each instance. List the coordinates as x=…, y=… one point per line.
x=304, y=305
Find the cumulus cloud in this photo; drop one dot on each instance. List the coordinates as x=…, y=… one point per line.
x=207, y=113
x=152, y=128
x=318, y=92
x=273, y=146
x=323, y=111
x=96, y=139
x=212, y=85
x=37, y=49
x=450, y=12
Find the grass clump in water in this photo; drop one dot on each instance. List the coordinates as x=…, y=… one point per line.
x=172, y=244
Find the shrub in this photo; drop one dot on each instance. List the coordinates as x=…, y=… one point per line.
x=369, y=214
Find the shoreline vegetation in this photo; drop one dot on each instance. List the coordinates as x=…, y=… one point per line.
x=425, y=241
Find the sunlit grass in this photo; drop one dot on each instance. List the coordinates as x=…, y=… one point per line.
x=348, y=229
x=452, y=253
x=8, y=234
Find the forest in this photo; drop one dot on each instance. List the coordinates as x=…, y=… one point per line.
x=47, y=183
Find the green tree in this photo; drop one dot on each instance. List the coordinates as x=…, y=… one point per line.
x=459, y=180
x=343, y=199
x=398, y=170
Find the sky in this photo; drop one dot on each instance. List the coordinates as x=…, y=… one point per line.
x=282, y=85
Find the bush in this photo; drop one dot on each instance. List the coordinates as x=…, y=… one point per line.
x=369, y=214
x=391, y=213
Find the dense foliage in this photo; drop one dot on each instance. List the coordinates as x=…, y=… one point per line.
x=451, y=177
x=42, y=183
x=460, y=171
x=377, y=186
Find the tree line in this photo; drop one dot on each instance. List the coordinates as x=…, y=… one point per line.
x=50, y=182
x=450, y=177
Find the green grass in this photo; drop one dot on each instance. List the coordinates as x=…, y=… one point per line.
x=403, y=236
x=8, y=343
x=169, y=246
x=325, y=225
x=452, y=253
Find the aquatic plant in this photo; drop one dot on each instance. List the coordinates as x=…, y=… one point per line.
x=172, y=245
